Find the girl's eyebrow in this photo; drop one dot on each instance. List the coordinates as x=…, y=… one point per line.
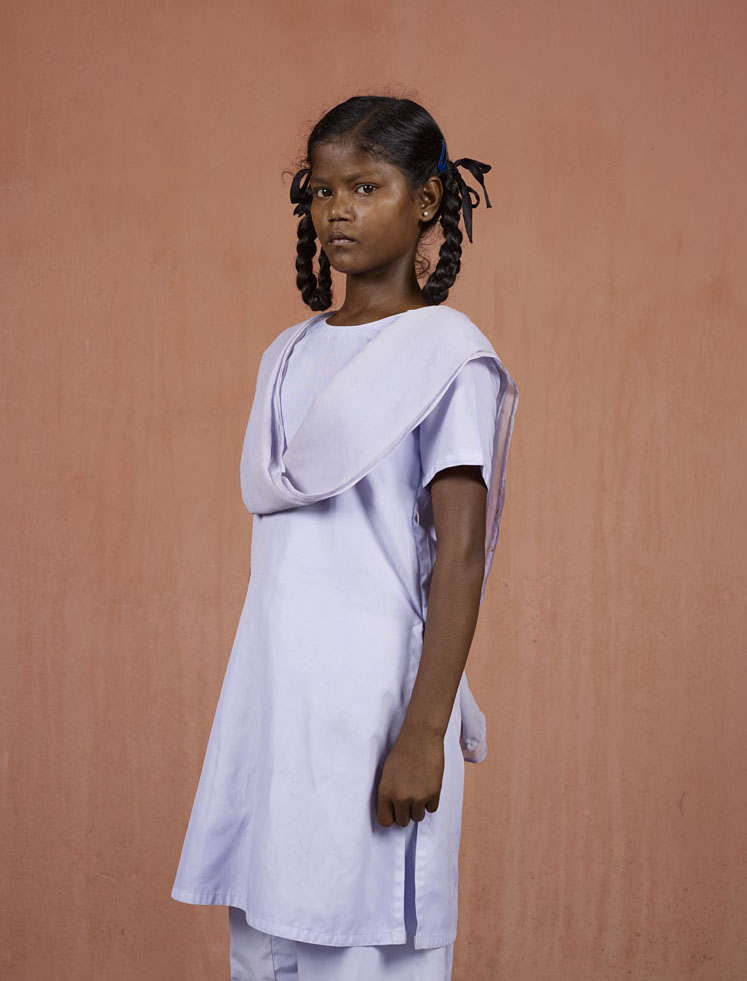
x=350, y=178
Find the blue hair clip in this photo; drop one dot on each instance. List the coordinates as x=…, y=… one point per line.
x=443, y=158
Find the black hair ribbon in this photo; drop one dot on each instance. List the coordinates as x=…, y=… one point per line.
x=298, y=191
x=477, y=170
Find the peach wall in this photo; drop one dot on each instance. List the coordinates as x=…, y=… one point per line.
x=147, y=259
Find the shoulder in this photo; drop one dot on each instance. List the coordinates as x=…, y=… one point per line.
x=278, y=342
x=456, y=327
x=456, y=332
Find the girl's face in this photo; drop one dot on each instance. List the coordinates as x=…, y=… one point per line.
x=367, y=201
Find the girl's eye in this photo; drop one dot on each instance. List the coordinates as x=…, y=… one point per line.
x=317, y=194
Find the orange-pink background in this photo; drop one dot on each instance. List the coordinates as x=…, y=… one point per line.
x=147, y=259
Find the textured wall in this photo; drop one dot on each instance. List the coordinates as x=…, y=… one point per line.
x=147, y=259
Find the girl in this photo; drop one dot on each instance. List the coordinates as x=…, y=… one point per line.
x=328, y=812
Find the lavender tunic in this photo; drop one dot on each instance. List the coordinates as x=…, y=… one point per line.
x=284, y=822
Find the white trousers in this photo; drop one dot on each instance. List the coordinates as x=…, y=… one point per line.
x=259, y=956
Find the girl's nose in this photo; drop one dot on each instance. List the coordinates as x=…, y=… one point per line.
x=339, y=204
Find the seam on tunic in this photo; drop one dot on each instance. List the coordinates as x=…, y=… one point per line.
x=417, y=533
x=423, y=548
x=272, y=958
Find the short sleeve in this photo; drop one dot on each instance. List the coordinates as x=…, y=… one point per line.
x=460, y=429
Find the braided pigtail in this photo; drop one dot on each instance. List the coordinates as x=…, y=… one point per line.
x=443, y=276
x=458, y=196
x=316, y=292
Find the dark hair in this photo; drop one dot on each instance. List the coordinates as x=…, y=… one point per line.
x=405, y=134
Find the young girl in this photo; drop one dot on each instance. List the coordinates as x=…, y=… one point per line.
x=328, y=812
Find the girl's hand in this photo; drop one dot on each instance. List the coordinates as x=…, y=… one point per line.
x=411, y=777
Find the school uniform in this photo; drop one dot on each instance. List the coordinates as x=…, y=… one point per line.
x=347, y=427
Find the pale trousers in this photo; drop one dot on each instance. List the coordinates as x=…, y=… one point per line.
x=259, y=956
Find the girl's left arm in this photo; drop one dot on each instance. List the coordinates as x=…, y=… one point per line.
x=411, y=778
x=459, y=499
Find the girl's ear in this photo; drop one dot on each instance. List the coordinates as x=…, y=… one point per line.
x=431, y=196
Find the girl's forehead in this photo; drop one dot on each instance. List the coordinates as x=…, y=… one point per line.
x=344, y=161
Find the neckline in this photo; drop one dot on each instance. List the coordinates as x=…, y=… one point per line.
x=369, y=323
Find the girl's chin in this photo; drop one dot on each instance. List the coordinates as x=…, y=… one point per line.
x=338, y=263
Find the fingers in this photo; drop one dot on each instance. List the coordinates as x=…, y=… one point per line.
x=385, y=811
x=417, y=812
x=404, y=811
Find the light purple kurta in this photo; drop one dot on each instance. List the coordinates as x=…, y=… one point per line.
x=284, y=822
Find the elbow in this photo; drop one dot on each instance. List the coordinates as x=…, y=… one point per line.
x=467, y=555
